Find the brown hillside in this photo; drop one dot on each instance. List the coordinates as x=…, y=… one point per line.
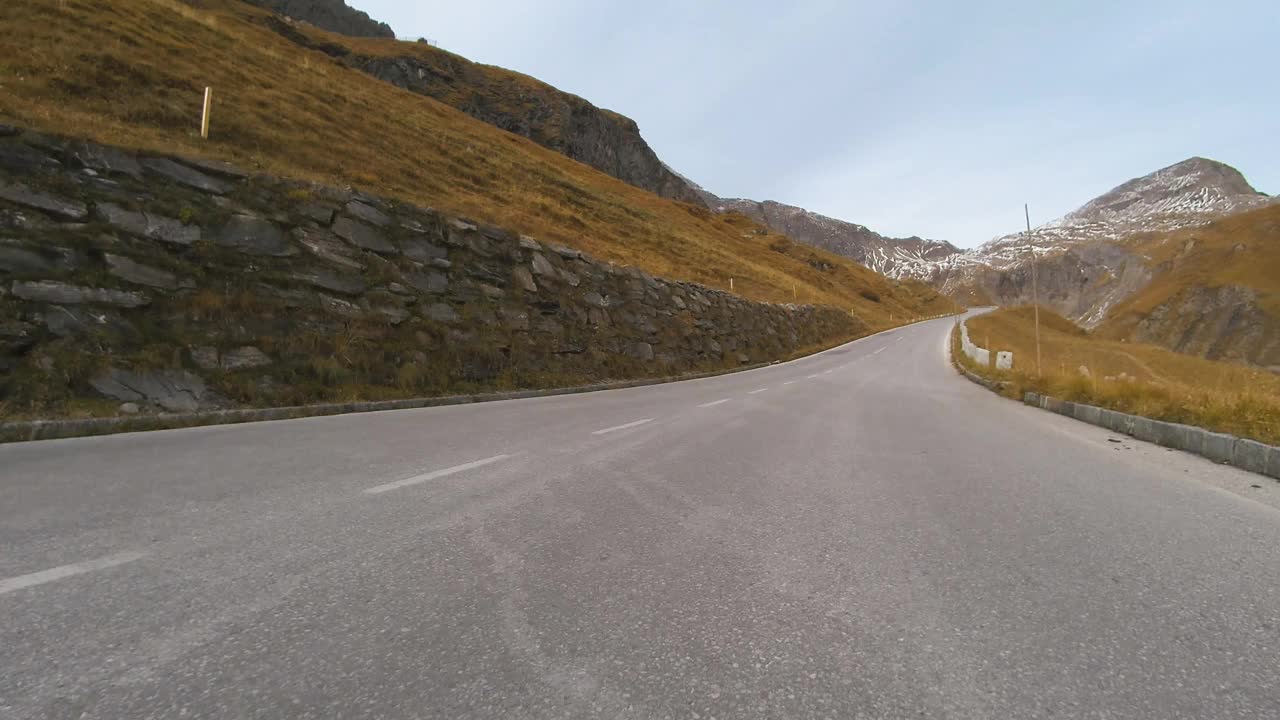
x=132, y=74
x=1215, y=291
x=1131, y=377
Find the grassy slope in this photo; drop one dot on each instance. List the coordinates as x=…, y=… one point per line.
x=132, y=74
x=1241, y=249
x=1166, y=385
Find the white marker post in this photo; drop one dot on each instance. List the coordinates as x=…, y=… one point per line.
x=204, y=117
x=730, y=284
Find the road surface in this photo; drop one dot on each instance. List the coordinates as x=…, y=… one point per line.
x=861, y=533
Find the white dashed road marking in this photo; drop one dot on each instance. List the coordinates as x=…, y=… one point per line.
x=789, y=382
x=416, y=479
x=628, y=426
x=811, y=377
x=757, y=391
x=66, y=571
x=714, y=403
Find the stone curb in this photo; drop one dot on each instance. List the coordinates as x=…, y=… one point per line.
x=1221, y=448
x=992, y=385
x=60, y=429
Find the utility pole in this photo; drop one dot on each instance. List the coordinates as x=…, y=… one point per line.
x=1035, y=290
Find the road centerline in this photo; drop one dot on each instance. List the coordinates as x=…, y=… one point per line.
x=627, y=426
x=714, y=403
x=418, y=479
x=65, y=571
x=757, y=391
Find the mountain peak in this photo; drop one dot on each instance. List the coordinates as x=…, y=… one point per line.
x=1196, y=187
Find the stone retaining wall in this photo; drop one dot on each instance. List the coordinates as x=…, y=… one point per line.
x=150, y=284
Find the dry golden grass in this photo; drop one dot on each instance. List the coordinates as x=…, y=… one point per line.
x=1158, y=383
x=132, y=73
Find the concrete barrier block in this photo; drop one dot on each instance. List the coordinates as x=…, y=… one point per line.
x=1004, y=360
x=1176, y=436
x=1251, y=456
x=1217, y=447
x=1145, y=429
x=1031, y=399
x=1089, y=414
x=1273, y=462
x=1124, y=423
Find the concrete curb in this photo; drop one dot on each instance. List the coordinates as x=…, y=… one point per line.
x=1221, y=448
x=992, y=385
x=27, y=431
x=1218, y=447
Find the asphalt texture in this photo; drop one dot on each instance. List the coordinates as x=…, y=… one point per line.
x=858, y=534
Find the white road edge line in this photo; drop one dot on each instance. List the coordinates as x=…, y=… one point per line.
x=416, y=479
x=66, y=571
x=757, y=391
x=714, y=403
x=628, y=426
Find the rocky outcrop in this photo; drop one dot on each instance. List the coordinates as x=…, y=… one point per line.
x=332, y=15
x=565, y=123
x=1082, y=283
x=1221, y=323
x=230, y=291
x=893, y=257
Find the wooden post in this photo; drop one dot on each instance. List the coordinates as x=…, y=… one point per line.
x=204, y=117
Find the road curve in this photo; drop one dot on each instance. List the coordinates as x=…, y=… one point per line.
x=860, y=533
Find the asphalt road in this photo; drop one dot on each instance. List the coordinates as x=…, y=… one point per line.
x=859, y=534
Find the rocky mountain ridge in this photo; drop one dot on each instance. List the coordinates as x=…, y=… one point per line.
x=1085, y=251
x=563, y=122
x=332, y=15
x=893, y=257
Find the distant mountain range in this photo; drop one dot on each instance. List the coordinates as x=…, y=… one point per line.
x=1104, y=265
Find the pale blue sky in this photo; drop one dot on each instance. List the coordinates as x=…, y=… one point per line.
x=930, y=118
